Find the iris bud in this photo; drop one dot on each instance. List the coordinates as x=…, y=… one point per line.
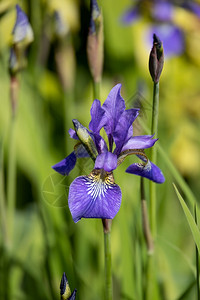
x=95, y=42
x=85, y=138
x=61, y=27
x=156, y=59
x=65, y=292
x=22, y=38
x=22, y=32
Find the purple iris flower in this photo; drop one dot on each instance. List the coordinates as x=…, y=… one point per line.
x=97, y=195
x=161, y=13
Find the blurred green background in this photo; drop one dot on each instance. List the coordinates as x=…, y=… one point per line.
x=44, y=241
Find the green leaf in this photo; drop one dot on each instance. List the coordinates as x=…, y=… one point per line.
x=193, y=226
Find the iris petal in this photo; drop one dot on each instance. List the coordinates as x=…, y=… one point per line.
x=80, y=151
x=97, y=117
x=94, y=196
x=73, y=295
x=106, y=161
x=114, y=106
x=150, y=171
x=100, y=143
x=73, y=134
x=65, y=166
x=139, y=142
x=122, y=129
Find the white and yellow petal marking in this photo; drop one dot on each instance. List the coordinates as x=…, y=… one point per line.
x=94, y=196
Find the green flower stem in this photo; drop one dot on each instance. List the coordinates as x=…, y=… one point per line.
x=68, y=116
x=145, y=220
x=197, y=258
x=96, y=89
x=11, y=176
x=177, y=176
x=185, y=188
x=107, y=252
x=11, y=179
x=154, y=130
x=2, y=198
x=151, y=289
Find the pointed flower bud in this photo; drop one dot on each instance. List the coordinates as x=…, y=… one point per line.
x=95, y=17
x=95, y=42
x=65, y=292
x=64, y=51
x=22, y=32
x=85, y=138
x=61, y=27
x=156, y=59
x=22, y=37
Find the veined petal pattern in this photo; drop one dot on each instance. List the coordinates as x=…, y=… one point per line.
x=94, y=196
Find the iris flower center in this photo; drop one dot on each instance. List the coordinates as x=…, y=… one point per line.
x=98, y=182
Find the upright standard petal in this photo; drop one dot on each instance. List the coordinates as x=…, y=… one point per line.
x=148, y=170
x=100, y=143
x=97, y=117
x=114, y=106
x=65, y=166
x=94, y=196
x=106, y=161
x=122, y=129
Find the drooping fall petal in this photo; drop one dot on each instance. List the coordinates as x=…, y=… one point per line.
x=94, y=196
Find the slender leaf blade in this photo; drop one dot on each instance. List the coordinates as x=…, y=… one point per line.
x=193, y=226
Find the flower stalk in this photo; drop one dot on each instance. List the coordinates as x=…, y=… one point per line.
x=2, y=197
x=96, y=90
x=145, y=219
x=22, y=37
x=66, y=65
x=154, y=130
x=197, y=259
x=107, y=254
x=156, y=62
x=11, y=178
